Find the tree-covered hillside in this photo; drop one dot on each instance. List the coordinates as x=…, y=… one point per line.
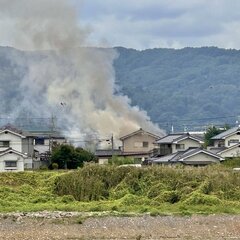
x=188, y=87
x=200, y=85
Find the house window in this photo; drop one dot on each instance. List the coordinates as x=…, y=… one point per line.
x=4, y=143
x=145, y=144
x=233, y=142
x=10, y=164
x=180, y=146
x=39, y=141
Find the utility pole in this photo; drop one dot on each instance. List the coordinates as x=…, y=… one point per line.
x=112, y=144
x=52, y=127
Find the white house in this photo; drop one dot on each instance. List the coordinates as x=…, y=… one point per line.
x=227, y=143
x=192, y=156
x=14, y=150
x=182, y=148
x=173, y=143
x=12, y=160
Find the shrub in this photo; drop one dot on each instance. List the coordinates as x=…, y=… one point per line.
x=55, y=166
x=68, y=199
x=197, y=198
x=168, y=196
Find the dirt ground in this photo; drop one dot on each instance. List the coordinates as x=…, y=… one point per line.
x=145, y=227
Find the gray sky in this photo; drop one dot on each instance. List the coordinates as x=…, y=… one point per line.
x=145, y=24
x=141, y=24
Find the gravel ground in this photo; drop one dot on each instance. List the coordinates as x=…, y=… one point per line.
x=58, y=225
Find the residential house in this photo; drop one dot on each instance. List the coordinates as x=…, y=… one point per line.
x=182, y=148
x=104, y=155
x=227, y=143
x=31, y=148
x=137, y=145
x=173, y=143
x=16, y=150
x=43, y=141
x=191, y=156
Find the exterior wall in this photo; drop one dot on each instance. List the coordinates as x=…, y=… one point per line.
x=219, y=143
x=11, y=157
x=60, y=141
x=201, y=157
x=103, y=161
x=235, y=152
x=188, y=143
x=233, y=137
x=27, y=146
x=28, y=163
x=15, y=141
x=133, y=143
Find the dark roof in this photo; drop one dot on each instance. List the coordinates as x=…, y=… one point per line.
x=226, y=133
x=108, y=152
x=181, y=155
x=177, y=137
x=43, y=134
x=217, y=149
x=137, y=132
x=10, y=150
x=12, y=128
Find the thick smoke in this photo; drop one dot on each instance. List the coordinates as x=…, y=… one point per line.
x=67, y=79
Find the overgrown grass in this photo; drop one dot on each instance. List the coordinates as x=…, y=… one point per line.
x=123, y=190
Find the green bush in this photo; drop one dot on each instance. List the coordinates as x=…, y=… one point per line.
x=55, y=166
x=197, y=198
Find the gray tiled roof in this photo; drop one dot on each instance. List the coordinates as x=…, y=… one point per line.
x=177, y=137
x=139, y=131
x=163, y=159
x=107, y=152
x=169, y=138
x=226, y=133
x=179, y=156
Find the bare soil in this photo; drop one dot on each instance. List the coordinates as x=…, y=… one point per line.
x=144, y=227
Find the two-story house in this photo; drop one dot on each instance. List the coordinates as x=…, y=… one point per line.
x=182, y=148
x=43, y=141
x=137, y=145
x=16, y=150
x=227, y=143
x=173, y=143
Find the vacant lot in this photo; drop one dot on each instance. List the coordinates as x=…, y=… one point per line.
x=143, y=227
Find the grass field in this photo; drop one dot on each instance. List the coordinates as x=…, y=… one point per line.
x=124, y=190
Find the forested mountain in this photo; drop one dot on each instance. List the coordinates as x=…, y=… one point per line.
x=185, y=88
x=188, y=87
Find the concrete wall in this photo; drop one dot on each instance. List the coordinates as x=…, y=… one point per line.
x=11, y=157
x=135, y=143
x=188, y=143
x=28, y=163
x=27, y=146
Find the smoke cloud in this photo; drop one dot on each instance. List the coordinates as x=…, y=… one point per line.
x=65, y=78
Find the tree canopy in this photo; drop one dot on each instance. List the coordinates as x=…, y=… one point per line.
x=211, y=132
x=67, y=156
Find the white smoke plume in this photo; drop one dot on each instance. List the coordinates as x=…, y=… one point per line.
x=73, y=82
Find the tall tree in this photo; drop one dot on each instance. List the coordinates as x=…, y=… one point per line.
x=67, y=156
x=211, y=132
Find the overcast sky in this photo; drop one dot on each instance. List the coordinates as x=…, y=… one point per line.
x=145, y=24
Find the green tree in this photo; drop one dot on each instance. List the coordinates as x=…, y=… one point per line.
x=67, y=156
x=211, y=132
